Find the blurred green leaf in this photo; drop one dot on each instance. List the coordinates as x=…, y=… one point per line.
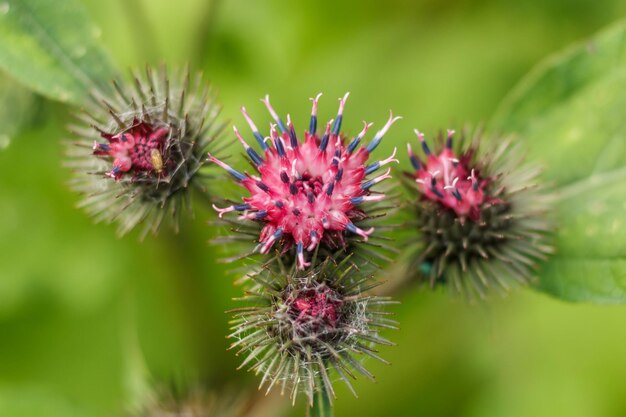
x=570, y=112
x=53, y=48
x=17, y=108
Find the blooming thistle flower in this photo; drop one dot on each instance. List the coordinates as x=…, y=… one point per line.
x=304, y=327
x=481, y=215
x=140, y=151
x=309, y=193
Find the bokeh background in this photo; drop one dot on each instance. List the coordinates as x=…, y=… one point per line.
x=82, y=313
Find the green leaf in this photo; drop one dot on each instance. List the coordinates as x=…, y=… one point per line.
x=53, y=48
x=571, y=112
x=18, y=106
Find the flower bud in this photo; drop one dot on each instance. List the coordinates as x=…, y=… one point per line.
x=480, y=214
x=303, y=329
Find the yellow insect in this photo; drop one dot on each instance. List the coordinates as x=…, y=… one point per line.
x=157, y=160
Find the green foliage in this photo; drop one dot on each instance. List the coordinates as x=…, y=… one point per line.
x=53, y=47
x=17, y=108
x=570, y=112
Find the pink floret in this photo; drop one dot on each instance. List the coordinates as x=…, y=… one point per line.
x=132, y=150
x=318, y=307
x=449, y=179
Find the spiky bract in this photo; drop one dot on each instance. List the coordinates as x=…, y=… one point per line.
x=193, y=402
x=311, y=193
x=303, y=328
x=138, y=152
x=481, y=215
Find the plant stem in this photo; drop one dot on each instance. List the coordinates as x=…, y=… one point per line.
x=321, y=405
x=143, y=32
x=206, y=30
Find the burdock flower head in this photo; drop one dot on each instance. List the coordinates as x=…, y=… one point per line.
x=309, y=193
x=303, y=329
x=481, y=215
x=139, y=151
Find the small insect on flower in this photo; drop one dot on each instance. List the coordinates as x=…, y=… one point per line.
x=139, y=152
x=481, y=215
x=157, y=161
x=309, y=193
x=304, y=328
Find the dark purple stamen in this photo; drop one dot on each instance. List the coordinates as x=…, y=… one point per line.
x=263, y=186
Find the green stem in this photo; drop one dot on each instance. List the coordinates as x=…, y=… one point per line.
x=199, y=316
x=143, y=32
x=206, y=30
x=321, y=405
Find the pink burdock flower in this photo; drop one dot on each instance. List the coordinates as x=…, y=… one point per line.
x=480, y=215
x=137, y=150
x=316, y=307
x=450, y=179
x=308, y=193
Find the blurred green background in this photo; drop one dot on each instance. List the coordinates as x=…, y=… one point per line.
x=72, y=295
